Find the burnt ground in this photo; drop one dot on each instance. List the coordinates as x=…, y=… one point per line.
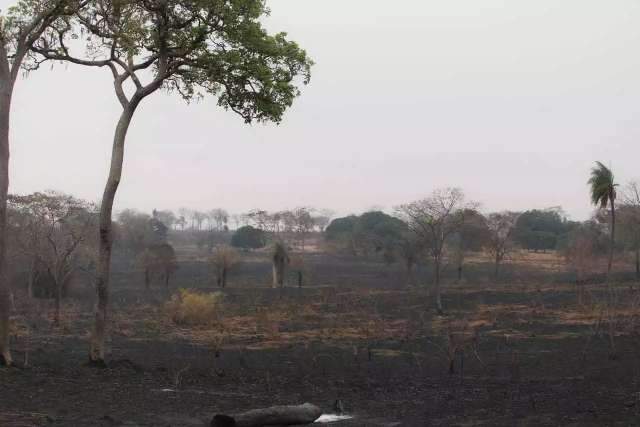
x=522, y=355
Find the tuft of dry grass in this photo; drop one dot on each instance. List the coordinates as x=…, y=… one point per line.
x=190, y=308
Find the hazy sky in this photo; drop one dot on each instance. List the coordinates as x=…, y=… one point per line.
x=511, y=100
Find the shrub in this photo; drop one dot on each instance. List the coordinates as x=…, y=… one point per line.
x=248, y=237
x=190, y=308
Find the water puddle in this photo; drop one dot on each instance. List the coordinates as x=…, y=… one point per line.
x=332, y=418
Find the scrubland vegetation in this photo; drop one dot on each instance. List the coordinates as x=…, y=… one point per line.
x=433, y=312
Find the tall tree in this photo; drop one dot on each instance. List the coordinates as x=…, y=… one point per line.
x=434, y=220
x=20, y=27
x=603, y=194
x=191, y=47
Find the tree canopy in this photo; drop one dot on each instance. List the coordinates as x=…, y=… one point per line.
x=539, y=230
x=248, y=237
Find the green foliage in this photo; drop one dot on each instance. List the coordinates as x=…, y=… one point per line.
x=248, y=237
x=341, y=228
x=195, y=48
x=539, y=230
x=602, y=186
x=370, y=232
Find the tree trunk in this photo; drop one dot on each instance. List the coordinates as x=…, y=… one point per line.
x=6, y=88
x=275, y=275
x=58, y=297
x=224, y=277
x=167, y=276
x=612, y=242
x=437, y=280
x=32, y=277
x=147, y=279
x=409, y=272
x=98, y=335
x=637, y=264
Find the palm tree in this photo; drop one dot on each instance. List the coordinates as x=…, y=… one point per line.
x=603, y=194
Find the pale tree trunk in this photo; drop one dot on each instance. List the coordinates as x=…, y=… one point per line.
x=6, y=88
x=98, y=335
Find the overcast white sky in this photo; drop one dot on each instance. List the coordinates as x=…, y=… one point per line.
x=511, y=100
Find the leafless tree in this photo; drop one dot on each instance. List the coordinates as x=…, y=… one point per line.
x=500, y=242
x=199, y=218
x=56, y=226
x=303, y=224
x=219, y=218
x=434, y=220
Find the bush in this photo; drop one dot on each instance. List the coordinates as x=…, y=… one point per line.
x=190, y=308
x=248, y=237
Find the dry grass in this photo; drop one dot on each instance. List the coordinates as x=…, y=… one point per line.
x=191, y=308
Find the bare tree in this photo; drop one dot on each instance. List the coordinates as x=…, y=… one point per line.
x=60, y=223
x=219, y=217
x=434, y=220
x=183, y=214
x=500, y=242
x=199, y=218
x=302, y=224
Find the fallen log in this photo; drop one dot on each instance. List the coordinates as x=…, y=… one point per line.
x=290, y=415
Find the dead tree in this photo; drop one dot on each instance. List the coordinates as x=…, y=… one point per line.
x=434, y=220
